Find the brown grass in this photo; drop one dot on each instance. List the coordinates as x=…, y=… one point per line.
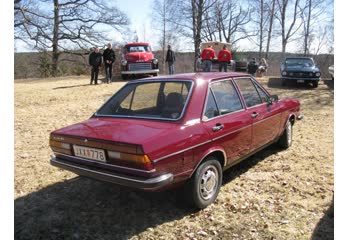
x=273, y=195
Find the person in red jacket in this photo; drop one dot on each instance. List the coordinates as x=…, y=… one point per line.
x=224, y=58
x=208, y=54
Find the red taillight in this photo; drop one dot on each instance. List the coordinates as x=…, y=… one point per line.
x=141, y=161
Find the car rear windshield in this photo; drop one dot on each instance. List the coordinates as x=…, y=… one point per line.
x=156, y=100
x=300, y=61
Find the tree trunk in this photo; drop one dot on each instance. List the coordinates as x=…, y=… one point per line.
x=164, y=34
x=272, y=17
x=261, y=27
x=307, y=33
x=55, y=53
x=197, y=14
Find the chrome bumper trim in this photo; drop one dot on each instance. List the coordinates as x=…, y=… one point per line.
x=141, y=71
x=108, y=176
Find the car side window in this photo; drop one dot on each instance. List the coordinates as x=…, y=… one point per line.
x=249, y=92
x=264, y=97
x=223, y=98
x=211, y=109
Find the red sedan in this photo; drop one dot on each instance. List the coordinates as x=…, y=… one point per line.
x=161, y=132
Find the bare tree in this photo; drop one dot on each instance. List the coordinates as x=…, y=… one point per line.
x=261, y=18
x=311, y=14
x=64, y=26
x=226, y=21
x=269, y=31
x=163, y=14
x=190, y=17
x=289, y=24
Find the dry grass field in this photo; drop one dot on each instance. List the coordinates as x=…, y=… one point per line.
x=274, y=194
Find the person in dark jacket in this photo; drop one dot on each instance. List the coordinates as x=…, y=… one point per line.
x=108, y=59
x=95, y=61
x=252, y=67
x=170, y=58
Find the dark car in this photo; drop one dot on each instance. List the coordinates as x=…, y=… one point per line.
x=185, y=129
x=300, y=70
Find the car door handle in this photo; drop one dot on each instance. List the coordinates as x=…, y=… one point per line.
x=254, y=114
x=218, y=127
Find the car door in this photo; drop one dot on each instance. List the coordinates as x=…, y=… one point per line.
x=266, y=117
x=224, y=117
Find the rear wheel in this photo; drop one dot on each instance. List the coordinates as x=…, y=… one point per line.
x=205, y=184
x=286, y=139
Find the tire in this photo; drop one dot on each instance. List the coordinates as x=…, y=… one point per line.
x=205, y=183
x=286, y=139
x=315, y=84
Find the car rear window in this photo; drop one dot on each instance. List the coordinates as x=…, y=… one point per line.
x=159, y=100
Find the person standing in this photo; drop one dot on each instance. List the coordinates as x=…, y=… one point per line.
x=208, y=54
x=108, y=59
x=95, y=61
x=252, y=67
x=170, y=59
x=262, y=66
x=224, y=58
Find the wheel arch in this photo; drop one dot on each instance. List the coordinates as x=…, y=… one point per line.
x=218, y=153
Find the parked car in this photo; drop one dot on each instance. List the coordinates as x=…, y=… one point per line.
x=242, y=65
x=300, y=70
x=158, y=133
x=138, y=59
x=331, y=71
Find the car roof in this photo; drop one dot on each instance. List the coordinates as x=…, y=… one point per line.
x=137, y=44
x=203, y=76
x=299, y=58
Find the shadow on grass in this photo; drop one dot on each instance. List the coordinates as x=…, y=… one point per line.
x=86, y=209
x=325, y=227
x=81, y=208
x=72, y=86
x=244, y=166
x=329, y=83
x=277, y=83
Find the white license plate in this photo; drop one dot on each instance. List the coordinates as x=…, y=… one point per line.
x=300, y=81
x=90, y=153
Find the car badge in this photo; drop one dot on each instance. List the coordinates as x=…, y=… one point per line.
x=85, y=140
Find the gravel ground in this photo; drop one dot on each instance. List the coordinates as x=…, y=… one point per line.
x=274, y=194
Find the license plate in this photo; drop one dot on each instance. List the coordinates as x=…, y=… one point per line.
x=90, y=153
x=300, y=81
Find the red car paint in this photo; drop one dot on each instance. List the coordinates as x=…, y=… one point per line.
x=178, y=147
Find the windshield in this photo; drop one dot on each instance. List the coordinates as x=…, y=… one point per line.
x=157, y=100
x=139, y=48
x=300, y=61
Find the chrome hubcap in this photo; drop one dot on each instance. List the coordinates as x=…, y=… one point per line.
x=208, y=183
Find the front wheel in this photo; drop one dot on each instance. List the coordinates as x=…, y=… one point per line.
x=205, y=184
x=286, y=139
x=315, y=84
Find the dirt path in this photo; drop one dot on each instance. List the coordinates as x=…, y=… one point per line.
x=273, y=195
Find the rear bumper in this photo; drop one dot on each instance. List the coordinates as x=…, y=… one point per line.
x=141, y=72
x=112, y=177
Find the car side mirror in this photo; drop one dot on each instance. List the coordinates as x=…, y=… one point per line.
x=272, y=98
